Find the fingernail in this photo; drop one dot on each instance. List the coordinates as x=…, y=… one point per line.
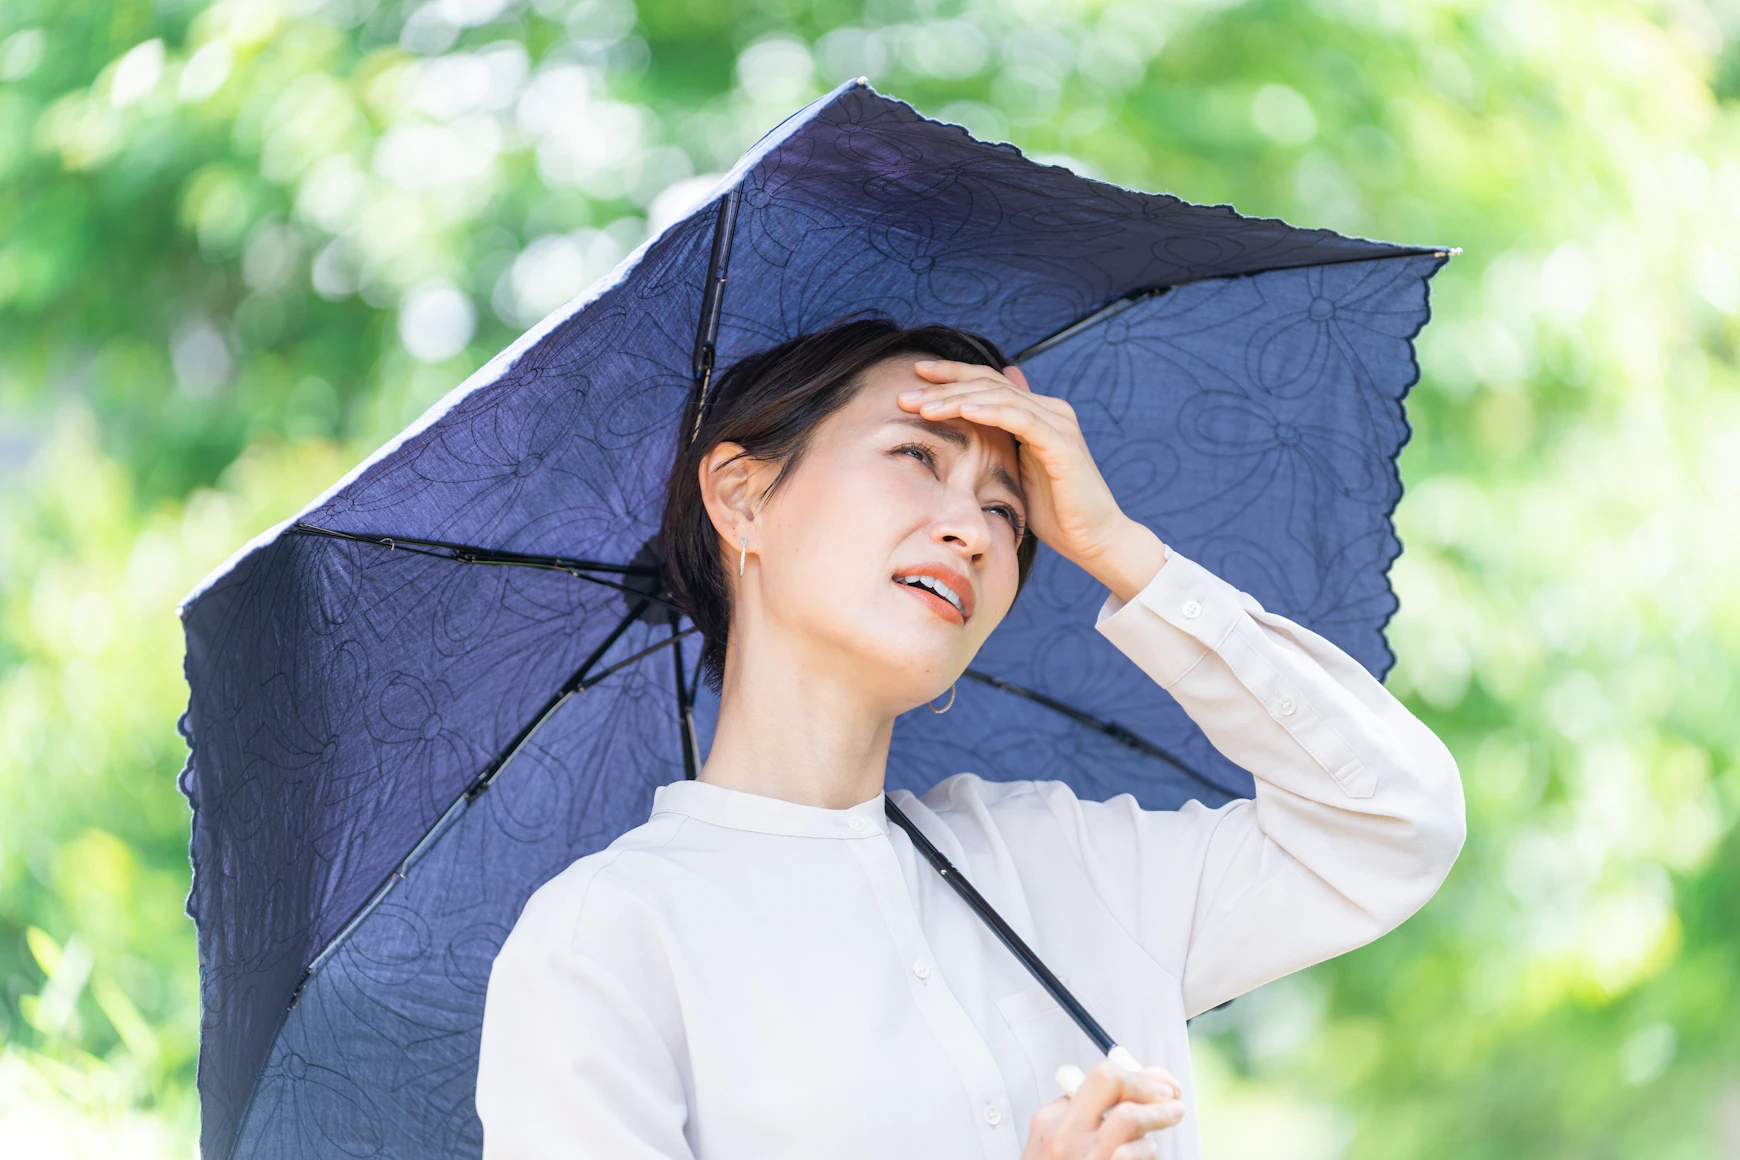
x=908, y=396
x=925, y=362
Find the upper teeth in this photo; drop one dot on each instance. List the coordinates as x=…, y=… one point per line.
x=936, y=586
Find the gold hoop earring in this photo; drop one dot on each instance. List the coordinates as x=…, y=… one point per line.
x=946, y=707
x=742, y=551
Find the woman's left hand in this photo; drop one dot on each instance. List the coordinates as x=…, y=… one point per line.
x=1069, y=505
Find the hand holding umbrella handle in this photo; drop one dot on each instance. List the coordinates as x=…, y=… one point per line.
x=1070, y=1077
x=1104, y=1113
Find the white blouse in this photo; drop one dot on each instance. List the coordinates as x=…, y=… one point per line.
x=743, y=978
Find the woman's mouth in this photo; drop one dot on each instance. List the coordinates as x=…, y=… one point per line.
x=945, y=591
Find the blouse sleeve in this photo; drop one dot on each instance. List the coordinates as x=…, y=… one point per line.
x=1356, y=820
x=572, y=1065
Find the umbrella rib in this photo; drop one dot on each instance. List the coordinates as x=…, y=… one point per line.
x=1111, y=729
x=1093, y=318
x=471, y=554
x=466, y=554
x=577, y=683
x=1142, y=294
x=574, y=684
x=713, y=302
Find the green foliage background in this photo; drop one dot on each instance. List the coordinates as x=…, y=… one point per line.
x=240, y=244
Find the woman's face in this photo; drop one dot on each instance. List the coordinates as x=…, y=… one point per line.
x=888, y=554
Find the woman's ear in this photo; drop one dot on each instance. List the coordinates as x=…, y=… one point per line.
x=730, y=486
x=1015, y=375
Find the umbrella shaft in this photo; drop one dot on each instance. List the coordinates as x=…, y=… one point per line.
x=1004, y=932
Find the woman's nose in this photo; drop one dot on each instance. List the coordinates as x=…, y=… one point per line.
x=963, y=527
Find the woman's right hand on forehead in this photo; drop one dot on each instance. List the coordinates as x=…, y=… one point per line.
x=1068, y=504
x=1108, y=1117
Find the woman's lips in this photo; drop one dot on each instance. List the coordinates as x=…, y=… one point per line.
x=934, y=602
x=948, y=577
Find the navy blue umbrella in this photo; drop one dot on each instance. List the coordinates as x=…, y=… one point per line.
x=456, y=672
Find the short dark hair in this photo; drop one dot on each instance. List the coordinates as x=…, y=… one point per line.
x=770, y=403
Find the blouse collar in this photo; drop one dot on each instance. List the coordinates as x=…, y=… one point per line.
x=738, y=810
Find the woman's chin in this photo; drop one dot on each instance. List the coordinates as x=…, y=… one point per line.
x=905, y=654
x=913, y=676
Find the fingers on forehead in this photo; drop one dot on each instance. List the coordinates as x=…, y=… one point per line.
x=962, y=369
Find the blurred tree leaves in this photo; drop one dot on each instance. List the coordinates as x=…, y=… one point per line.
x=241, y=243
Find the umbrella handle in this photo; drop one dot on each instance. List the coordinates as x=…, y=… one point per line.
x=1120, y=1057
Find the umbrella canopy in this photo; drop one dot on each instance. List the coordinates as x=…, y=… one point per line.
x=453, y=674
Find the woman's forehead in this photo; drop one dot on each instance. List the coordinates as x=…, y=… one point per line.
x=880, y=383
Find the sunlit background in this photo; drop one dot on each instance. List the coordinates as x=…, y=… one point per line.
x=243, y=243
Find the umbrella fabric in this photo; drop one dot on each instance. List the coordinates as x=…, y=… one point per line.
x=384, y=763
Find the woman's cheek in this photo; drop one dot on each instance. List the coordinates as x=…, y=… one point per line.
x=1000, y=586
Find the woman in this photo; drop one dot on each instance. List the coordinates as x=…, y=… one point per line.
x=767, y=969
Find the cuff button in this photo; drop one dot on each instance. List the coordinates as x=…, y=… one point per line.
x=1192, y=609
x=1285, y=705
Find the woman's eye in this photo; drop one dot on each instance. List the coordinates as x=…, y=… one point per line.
x=1009, y=514
x=918, y=452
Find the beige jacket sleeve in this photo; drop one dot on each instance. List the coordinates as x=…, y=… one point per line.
x=1357, y=816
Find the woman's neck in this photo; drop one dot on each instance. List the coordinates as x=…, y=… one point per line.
x=789, y=731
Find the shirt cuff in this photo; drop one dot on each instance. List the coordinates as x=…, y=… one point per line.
x=1182, y=615
x=1185, y=613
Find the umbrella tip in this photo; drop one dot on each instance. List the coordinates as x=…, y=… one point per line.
x=1452, y=252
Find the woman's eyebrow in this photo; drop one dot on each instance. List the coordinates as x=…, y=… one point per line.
x=1003, y=477
x=950, y=435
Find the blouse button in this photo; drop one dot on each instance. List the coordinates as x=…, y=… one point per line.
x=1192, y=609
x=992, y=1116
x=921, y=969
x=856, y=823
x=1285, y=705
